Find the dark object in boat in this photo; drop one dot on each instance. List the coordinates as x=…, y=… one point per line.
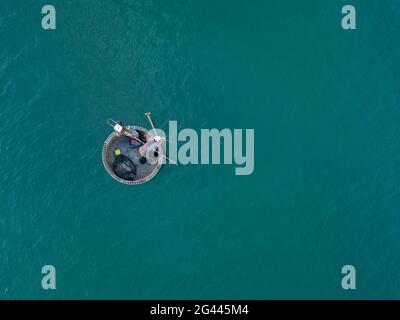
x=124, y=168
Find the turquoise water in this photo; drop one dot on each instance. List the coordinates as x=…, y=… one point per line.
x=325, y=106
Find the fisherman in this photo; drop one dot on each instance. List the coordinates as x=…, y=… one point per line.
x=150, y=149
x=131, y=133
x=120, y=128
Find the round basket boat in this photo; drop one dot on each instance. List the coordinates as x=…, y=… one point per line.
x=144, y=171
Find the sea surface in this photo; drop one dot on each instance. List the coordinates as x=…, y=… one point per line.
x=325, y=191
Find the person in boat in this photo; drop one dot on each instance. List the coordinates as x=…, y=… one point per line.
x=124, y=130
x=131, y=133
x=150, y=150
